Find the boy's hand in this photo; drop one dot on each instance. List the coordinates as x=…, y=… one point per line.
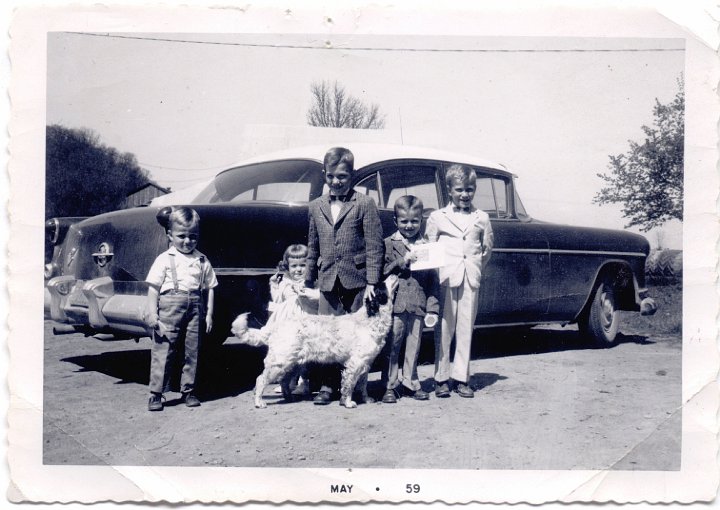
x=151, y=319
x=409, y=258
x=208, y=323
x=369, y=292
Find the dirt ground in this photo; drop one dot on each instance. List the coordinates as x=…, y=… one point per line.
x=544, y=401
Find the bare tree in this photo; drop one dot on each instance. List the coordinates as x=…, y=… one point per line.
x=332, y=106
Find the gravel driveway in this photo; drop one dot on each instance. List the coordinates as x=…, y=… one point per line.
x=544, y=401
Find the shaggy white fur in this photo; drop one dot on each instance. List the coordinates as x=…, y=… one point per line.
x=353, y=340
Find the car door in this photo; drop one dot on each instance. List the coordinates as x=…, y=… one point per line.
x=515, y=285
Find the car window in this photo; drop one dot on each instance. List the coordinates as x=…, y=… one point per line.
x=285, y=180
x=419, y=180
x=491, y=196
x=282, y=191
x=368, y=186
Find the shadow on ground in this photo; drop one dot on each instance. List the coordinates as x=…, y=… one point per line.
x=232, y=368
x=223, y=372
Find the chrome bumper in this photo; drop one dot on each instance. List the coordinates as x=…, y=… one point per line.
x=94, y=304
x=647, y=304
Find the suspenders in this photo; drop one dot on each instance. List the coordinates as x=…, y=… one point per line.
x=173, y=272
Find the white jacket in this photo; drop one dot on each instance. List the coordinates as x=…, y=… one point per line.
x=467, y=250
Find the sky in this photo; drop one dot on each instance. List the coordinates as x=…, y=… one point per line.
x=551, y=109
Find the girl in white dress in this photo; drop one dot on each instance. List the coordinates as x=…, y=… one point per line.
x=290, y=297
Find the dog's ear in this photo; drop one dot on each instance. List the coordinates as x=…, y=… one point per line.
x=381, y=294
x=371, y=306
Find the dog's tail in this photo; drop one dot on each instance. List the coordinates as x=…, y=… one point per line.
x=255, y=337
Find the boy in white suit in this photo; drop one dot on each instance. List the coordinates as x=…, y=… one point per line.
x=466, y=234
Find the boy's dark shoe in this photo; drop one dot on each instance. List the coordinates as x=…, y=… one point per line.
x=416, y=394
x=322, y=398
x=442, y=390
x=464, y=390
x=419, y=394
x=155, y=403
x=191, y=400
x=391, y=396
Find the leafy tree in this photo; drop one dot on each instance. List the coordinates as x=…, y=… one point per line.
x=84, y=177
x=648, y=179
x=332, y=106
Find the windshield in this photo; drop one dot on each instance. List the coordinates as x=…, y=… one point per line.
x=296, y=180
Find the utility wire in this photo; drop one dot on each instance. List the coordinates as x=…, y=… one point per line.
x=209, y=169
x=328, y=46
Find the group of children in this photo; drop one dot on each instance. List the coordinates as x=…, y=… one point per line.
x=346, y=257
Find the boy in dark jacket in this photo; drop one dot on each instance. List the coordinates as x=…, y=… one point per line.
x=416, y=301
x=345, y=250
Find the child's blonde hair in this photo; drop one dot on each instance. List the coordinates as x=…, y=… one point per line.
x=294, y=251
x=184, y=216
x=460, y=173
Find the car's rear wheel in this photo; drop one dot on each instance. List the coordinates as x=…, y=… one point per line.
x=601, y=321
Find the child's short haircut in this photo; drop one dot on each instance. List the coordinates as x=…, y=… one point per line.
x=408, y=203
x=183, y=216
x=339, y=156
x=461, y=173
x=294, y=251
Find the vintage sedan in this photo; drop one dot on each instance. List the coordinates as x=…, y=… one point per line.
x=539, y=272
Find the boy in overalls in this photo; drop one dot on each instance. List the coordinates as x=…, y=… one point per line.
x=176, y=310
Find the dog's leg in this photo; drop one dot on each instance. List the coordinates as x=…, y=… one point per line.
x=260, y=384
x=350, y=376
x=271, y=373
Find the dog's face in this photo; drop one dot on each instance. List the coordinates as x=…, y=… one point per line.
x=384, y=293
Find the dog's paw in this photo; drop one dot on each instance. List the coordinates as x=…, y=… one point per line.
x=240, y=325
x=349, y=403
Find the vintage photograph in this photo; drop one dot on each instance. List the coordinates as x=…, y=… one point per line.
x=431, y=253
x=574, y=186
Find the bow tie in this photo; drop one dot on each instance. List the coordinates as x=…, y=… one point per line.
x=341, y=198
x=461, y=209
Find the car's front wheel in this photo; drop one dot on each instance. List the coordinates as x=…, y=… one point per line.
x=601, y=321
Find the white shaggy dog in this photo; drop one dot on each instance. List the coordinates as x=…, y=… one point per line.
x=353, y=340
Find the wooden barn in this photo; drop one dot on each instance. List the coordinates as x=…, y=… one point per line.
x=144, y=195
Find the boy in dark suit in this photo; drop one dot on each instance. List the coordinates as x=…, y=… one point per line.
x=345, y=250
x=416, y=301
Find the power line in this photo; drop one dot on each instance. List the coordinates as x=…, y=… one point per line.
x=209, y=169
x=328, y=46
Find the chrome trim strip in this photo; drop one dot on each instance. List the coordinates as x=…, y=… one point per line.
x=570, y=252
x=519, y=324
x=608, y=253
x=244, y=271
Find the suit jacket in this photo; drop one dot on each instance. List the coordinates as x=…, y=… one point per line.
x=467, y=250
x=418, y=291
x=350, y=249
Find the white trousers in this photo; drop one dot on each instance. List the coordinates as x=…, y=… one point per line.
x=458, y=317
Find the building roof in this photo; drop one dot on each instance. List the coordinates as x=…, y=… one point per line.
x=151, y=183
